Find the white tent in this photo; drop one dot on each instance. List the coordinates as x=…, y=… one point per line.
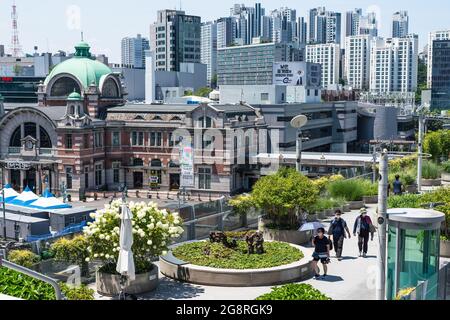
x=24, y=199
x=49, y=202
x=10, y=193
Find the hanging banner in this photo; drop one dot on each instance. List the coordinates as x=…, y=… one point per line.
x=187, y=167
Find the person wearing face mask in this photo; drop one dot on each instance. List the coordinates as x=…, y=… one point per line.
x=321, y=252
x=338, y=232
x=363, y=228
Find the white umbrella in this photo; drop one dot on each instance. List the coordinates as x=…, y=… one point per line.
x=125, y=263
x=311, y=226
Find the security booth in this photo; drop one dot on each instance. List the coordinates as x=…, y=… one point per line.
x=413, y=251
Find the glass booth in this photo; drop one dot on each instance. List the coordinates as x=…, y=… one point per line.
x=413, y=246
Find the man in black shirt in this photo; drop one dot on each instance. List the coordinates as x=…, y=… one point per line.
x=321, y=252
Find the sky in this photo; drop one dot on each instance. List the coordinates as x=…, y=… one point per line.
x=54, y=25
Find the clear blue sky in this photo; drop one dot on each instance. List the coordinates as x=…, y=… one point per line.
x=45, y=23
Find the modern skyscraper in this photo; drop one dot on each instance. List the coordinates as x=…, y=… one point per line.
x=400, y=24
x=209, y=50
x=329, y=56
x=175, y=38
x=226, y=32
x=133, y=51
x=324, y=26
x=359, y=24
x=357, y=61
x=249, y=22
x=302, y=31
x=434, y=36
x=394, y=64
x=352, y=23
x=440, y=90
x=284, y=25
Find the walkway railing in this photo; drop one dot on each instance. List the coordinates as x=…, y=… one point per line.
x=33, y=274
x=66, y=231
x=435, y=288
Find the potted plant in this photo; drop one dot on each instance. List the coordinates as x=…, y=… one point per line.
x=431, y=174
x=283, y=198
x=153, y=231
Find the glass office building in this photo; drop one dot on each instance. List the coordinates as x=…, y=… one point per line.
x=440, y=90
x=20, y=89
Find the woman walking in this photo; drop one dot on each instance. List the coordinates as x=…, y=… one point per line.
x=363, y=228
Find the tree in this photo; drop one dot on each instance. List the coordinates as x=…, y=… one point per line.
x=203, y=92
x=73, y=251
x=283, y=194
x=437, y=144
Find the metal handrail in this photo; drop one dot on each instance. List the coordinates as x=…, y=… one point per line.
x=33, y=274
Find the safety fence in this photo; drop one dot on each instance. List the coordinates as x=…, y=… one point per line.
x=435, y=288
x=72, y=229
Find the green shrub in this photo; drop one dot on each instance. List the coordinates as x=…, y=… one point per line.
x=24, y=258
x=216, y=255
x=446, y=166
x=350, y=190
x=408, y=176
x=430, y=170
x=294, y=292
x=405, y=201
x=73, y=251
x=21, y=286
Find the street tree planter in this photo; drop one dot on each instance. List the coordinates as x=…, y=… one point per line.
x=346, y=208
x=445, y=248
x=289, y=236
x=109, y=284
x=431, y=182
x=356, y=205
x=445, y=177
x=370, y=199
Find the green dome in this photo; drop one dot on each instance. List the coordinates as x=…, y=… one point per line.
x=81, y=66
x=74, y=96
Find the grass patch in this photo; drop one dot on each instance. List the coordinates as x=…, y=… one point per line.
x=276, y=254
x=294, y=292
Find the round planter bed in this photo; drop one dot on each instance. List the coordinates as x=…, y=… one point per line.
x=370, y=199
x=346, y=208
x=445, y=248
x=109, y=284
x=356, y=205
x=289, y=236
x=431, y=182
x=185, y=272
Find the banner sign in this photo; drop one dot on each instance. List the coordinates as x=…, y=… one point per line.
x=289, y=74
x=17, y=165
x=187, y=167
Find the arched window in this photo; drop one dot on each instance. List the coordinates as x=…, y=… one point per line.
x=16, y=137
x=30, y=130
x=156, y=163
x=138, y=162
x=44, y=139
x=140, y=118
x=157, y=118
x=110, y=89
x=176, y=118
x=205, y=124
x=64, y=86
x=72, y=110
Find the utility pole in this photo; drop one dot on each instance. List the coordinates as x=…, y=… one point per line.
x=382, y=224
x=299, y=150
x=420, y=151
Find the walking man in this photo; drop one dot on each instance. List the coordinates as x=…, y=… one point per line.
x=363, y=228
x=321, y=252
x=337, y=233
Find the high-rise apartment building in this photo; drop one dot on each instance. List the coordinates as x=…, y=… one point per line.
x=359, y=24
x=284, y=25
x=329, y=57
x=249, y=22
x=440, y=90
x=434, y=36
x=324, y=26
x=357, y=61
x=175, y=38
x=302, y=31
x=394, y=63
x=209, y=50
x=400, y=24
x=226, y=32
x=133, y=51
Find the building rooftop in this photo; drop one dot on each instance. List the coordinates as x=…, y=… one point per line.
x=23, y=218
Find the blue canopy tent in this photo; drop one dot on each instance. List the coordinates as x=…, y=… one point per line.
x=10, y=193
x=24, y=199
x=49, y=202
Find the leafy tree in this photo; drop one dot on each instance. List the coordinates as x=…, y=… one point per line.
x=73, y=251
x=283, y=194
x=437, y=144
x=203, y=92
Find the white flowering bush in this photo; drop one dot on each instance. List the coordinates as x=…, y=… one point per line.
x=153, y=232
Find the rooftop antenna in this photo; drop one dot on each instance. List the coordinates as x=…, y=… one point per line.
x=82, y=36
x=15, y=44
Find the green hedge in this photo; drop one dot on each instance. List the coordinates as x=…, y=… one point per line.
x=352, y=190
x=294, y=292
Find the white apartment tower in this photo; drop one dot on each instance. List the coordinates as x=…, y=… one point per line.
x=324, y=26
x=394, y=63
x=436, y=35
x=209, y=49
x=357, y=61
x=400, y=24
x=329, y=56
x=133, y=51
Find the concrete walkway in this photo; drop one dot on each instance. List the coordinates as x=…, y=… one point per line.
x=351, y=279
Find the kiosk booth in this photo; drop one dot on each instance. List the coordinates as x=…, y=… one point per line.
x=413, y=251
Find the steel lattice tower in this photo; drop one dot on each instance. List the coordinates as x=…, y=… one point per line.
x=16, y=48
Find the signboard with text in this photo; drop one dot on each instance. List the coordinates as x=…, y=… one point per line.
x=289, y=74
x=187, y=167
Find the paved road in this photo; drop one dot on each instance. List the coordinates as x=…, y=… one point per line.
x=349, y=279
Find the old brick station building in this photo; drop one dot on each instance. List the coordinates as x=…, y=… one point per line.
x=83, y=135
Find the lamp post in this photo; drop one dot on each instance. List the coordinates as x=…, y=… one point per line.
x=382, y=224
x=299, y=122
x=420, y=111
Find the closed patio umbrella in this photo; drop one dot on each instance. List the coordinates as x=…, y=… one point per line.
x=125, y=263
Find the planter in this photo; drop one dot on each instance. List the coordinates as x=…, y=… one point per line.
x=431, y=182
x=356, y=205
x=412, y=189
x=109, y=285
x=289, y=236
x=445, y=177
x=445, y=248
x=346, y=208
x=370, y=199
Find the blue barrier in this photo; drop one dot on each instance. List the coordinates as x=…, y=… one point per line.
x=66, y=231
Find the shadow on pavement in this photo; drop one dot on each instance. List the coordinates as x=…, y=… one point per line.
x=331, y=279
x=173, y=290
x=349, y=258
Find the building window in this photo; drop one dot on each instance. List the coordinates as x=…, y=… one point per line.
x=116, y=172
x=69, y=143
x=204, y=178
x=264, y=97
x=98, y=174
x=69, y=177
x=98, y=139
x=86, y=177
x=137, y=138
x=156, y=139
x=86, y=141
x=116, y=139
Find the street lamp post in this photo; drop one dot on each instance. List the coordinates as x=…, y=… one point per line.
x=299, y=122
x=420, y=151
x=382, y=224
